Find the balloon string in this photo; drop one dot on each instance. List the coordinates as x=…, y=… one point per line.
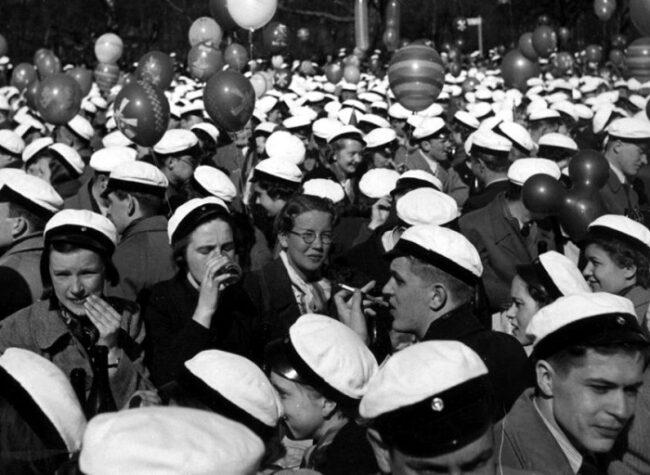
x=250, y=43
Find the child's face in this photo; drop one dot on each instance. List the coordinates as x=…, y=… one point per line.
x=303, y=410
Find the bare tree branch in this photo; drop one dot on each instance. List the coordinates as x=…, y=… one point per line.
x=329, y=16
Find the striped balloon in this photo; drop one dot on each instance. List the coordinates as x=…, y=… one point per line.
x=416, y=76
x=637, y=59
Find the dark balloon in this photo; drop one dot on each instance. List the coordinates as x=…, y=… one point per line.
x=41, y=52
x=460, y=44
x=157, y=68
x=282, y=78
x=604, y=9
x=391, y=39
x=236, y=56
x=58, y=98
x=47, y=65
x=563, y=62
x=22, y=75
x=594, y=53
x=588, y=169
x=619, y=41
x=564, y=35
x=454, y=54
x=30, y=93
x=106, y=76
x=229, y=99
x=416, y=76
x=526, y=46
x=454, y=69
x=334, y=72
x=276, y=37
x=142, y=113
x=516, y=69
x=203, y=61
x=84, y=78
x=544, y=40
x=470, y=84
x=544, y=19
x=543, y=194
x=219, y=11
x=581, y=207
x=617, y=57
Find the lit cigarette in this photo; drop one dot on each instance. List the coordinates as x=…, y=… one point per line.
x=376, y=300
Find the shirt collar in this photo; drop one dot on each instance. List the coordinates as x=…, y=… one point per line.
x=619, y=174
x=51, y=328
x=571, y=453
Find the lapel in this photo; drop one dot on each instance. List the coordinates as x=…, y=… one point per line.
x=613, y=182
x=505, y=236
x=282, y=299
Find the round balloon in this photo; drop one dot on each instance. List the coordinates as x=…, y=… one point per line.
x=41, y=52
x=84, y=78
x=604, y=9
x=229, y=100
x=219, y=11
x=58, y=98
x=564, y=35
x=581, y=207
x=205, y=30
x=617, y=57
x=303, y=34
x=251, y=14
x=4, y=48
x=470, y=84
x=277, y=60
x=416, y=76
x=619, y=41
x=544, y=19
x=47, y=65
x=543, y=194
x=282, y=78
x=236, y=56
x=516, y=69
x=544, y=40
x=351, y=74
x=588, y=169
x=22, y=75
x=106, y=76
x=142, y=112
x=454, y=69
x=259, y=84
x=563, y=62
x=157, y=68
x=276, y=37
x=203, y=61
x=108, y=48
x=334, y=72
x=30, y=92
x=594, y=53
x=637, y=60
x=391, y=39
x=526, y=46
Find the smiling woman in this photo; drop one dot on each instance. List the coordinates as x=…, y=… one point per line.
x=75, y=266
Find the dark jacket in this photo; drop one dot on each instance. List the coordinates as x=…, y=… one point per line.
x=619, y=198
x=367, y=260
x=20, y=274
x=486, y=195
x=505, y=358
x=503, y=247
x=173, y=337
x=527, y=443
x=349, y=453
x=83, y=199
x=143, y=257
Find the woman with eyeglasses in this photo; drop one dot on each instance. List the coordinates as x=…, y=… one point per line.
x=294, y=283
x=203, y=306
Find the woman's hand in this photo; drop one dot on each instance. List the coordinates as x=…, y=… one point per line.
x=105, y=318
x=211, y=286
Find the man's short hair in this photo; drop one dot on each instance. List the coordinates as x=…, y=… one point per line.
x=459, y=290
x=278, y=190
x=498, y=163
x=150, y=204
x=36, y=222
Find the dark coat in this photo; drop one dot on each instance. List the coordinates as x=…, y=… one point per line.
x=349, y=453
x=173, y=337
x=143, y=257
x=502, y=247
x=505, y=358
x=20, y=274
x=270, y=291
x=83, y=199
x=618, y=199
x=486, y=195
x=527, y=443
x=367, y=260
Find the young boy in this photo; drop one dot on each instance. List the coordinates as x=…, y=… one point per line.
x=321, y=371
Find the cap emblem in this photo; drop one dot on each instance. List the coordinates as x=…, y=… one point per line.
x=620, y=320
x=437, y=404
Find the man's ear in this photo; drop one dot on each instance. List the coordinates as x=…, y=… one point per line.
x=545, y=375
x=329, y=408
x=132, y=205
x=438, y=297
x=380, y=449
x=425, y=145
x=170, y=162
x=630, y=272
x=19, y=227
x=283, y=239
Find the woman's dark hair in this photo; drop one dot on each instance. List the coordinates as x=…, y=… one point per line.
x=179, y=247
x=111, y=274
x=278, y=190
x=298, y=205
x=22, y=451
x=623, y=256
x=537, y=290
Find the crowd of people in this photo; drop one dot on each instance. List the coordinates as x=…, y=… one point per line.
x=342, y=287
